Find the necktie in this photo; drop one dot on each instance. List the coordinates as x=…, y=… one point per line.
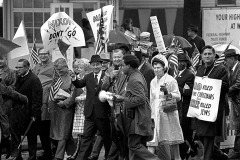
x=96, y=79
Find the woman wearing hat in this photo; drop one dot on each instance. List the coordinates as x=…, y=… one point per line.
x=164, y=88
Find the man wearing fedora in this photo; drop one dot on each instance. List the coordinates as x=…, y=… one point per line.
x=185, y=81
x=231, y=61
x=96, y=113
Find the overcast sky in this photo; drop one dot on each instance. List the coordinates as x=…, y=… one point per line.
x=1, y=2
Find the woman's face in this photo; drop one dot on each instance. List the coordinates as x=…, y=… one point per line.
x=158, y=69
x=62, y=68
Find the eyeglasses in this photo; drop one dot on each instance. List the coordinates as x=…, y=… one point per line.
x=19, y=67
x=42, y=54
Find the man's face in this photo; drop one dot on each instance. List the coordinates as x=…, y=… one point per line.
x=105, y=65
x=208, y=56
x=182, y=65
x=117, y=58
x=125, y=68
x=2, y=62
x=229, y=62
x=190, y=32
x=21, y=69
x=96, y=67
x=43, y=56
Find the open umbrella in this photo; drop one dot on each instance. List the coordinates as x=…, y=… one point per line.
x=219, y=48
x=6, y=46
x=118, y=37
x=169, y=38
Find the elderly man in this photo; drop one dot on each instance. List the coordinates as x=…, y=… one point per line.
x=232, y=63
x=96, y=113
x=207, y=131
x=44, y=71
x=29, y=85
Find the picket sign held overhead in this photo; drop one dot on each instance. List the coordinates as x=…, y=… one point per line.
x=157, y=34
x=94, y=20
x=205, y=99
x=61, y=26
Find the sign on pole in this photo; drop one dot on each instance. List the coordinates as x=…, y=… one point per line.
x=61, y=26
x=94, y=20
x=157, y=34
x=205, y=99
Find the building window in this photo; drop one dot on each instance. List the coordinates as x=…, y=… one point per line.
x=226, y=2
x=34, y=13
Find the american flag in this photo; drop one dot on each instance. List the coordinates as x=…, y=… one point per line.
x=56, y=84
x=195, y=56
x=221, y=59
x=173, y=63
x=34, y=55
x=100, y=39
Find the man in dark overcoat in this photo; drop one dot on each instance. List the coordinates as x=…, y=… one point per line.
x=185, y=81
x=96, y=113
x=29, y=85
x=232, y=63
x=207, y=131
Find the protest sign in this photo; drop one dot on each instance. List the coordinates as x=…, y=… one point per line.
x=205, y=99
x=94, y=20
x=61, y=26
x=157, y=34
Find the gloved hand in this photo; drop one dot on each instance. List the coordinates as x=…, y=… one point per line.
x=164, y=90
x=61, y=104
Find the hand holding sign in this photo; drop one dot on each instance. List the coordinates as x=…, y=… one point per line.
x=61, y=26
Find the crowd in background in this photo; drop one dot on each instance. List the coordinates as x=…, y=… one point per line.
x=136, y=123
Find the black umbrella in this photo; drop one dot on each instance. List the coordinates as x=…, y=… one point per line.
x=6, y=46
x=118, y=37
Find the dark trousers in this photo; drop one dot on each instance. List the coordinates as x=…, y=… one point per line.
x=237, y=141
x=32, y=141
x=98, y=144
x=44, y=132
x=137, y=150
x=91, y=125
x=208, y=143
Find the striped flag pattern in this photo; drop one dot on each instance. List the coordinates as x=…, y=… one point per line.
x=34, y=54
x=56, y=84
x=221, y=59
x=195, y=57
x=100, y=44
x=173, y=63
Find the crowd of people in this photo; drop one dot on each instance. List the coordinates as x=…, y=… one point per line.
x=136, y=122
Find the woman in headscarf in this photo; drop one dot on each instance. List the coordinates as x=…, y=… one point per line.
x=62, y=110
x=163, y=89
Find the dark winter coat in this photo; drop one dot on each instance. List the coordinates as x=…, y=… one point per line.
x=204, y=128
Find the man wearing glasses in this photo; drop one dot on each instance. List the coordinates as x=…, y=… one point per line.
x=29, y=85
x=44, y=70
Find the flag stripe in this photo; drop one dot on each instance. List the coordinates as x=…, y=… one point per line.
x=34, y=55
x=57, y=82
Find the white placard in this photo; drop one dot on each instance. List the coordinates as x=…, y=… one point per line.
x=221, y=25
x=94, y=20
x=61, y=26
x=157, y=34
x=205, y=99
